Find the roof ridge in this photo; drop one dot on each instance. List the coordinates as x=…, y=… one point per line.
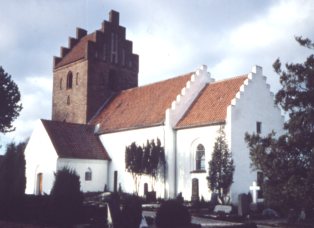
x=158, y=82
x=231, y=78
x=64, y=122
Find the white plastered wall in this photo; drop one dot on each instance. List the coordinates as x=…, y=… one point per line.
x=99, y=169
x=187, y=141
x=40, y=157
x=115, y=144
x=254, y=103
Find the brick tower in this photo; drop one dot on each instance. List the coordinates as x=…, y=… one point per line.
x=93, y=68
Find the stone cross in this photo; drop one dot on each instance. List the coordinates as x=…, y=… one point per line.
x=254, y=188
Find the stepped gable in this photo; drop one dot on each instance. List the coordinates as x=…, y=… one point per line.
x=210, y=107
x=90, y=46
x=140, y=107
x=77, y=52
x=75, y=140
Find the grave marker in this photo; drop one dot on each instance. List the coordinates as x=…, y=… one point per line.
x=254, y=188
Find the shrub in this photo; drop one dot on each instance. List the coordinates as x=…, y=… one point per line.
x=172, y=214
x=66, y=197
x=131, y=212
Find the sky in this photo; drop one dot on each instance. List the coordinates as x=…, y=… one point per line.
x=172, y=37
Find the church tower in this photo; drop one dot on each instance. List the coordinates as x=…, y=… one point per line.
x=91, y=70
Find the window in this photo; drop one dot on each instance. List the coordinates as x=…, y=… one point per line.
x=104, y=52
x=77, y=79
x=60, y=83
x=114, y=48
x=68, y=100
x=258, y=127
x=88, y=174
x=69, y=80
x=123, y=57
x=200, y=158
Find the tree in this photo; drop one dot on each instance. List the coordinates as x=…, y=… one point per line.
x=9, y=102
x=287, y=161
x=156, y=160
x=12, y=178
x=144, y=160
x=221, y=168
x=134, y=163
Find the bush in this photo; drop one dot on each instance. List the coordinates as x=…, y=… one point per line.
x=172, y=214
x=66, y=197
x=131, y=212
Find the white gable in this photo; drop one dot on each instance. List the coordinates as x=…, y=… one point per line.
x=41, y=157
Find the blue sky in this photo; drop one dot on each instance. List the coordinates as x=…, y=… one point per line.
x=172, y=37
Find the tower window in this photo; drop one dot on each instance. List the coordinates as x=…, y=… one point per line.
x=77, y=78
x=258, y=127
x=123, y=57
x=104, y=52
x=114, y=48
x=69, y=80
x=68, y=100
x=60, y=84
x=200, y=158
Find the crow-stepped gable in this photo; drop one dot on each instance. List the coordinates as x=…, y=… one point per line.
x=91, y=69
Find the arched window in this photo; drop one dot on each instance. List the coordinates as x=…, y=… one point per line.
x=200, y=157
x=88, y=174
x=69, y=80
x=60, y=83
x=68, y=100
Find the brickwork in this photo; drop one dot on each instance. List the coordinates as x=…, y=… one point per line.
x=102, y=63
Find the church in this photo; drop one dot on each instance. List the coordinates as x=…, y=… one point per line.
x=98, y=110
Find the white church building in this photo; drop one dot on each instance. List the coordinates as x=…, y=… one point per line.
x=99, y=110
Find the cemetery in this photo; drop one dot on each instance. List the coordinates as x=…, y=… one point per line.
x=118, y=209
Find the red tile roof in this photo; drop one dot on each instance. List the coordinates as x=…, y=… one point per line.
x=140, y=107
x=211, y=105
x=77, y=52
x=75, y=140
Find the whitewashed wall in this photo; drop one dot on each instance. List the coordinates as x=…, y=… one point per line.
x=115, y=144
x=187, y=141
x=254, y=103
x=99, y=169
x=40, y=157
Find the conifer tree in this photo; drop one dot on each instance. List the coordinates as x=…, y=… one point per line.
x=221, y=168
x=12, y=178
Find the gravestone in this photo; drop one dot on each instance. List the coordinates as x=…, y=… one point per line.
x=114, y=210
x=195, y=191
x=243, y=205
x=115, y=181
x=225, y=209
x=145, y=188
